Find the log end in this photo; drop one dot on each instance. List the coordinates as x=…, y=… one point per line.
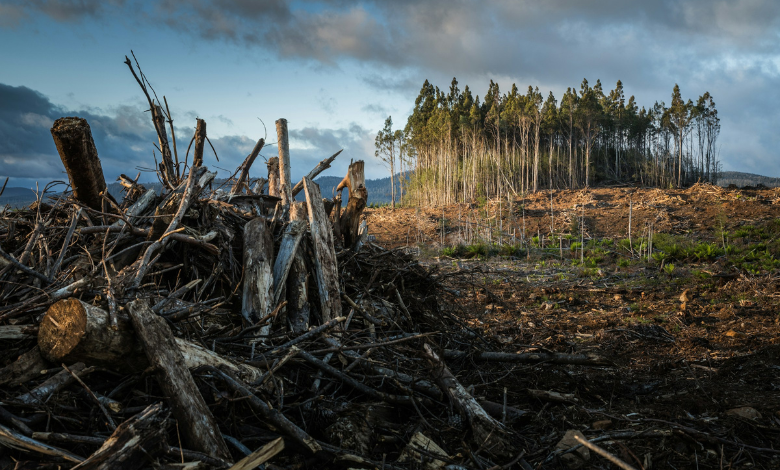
x=62, y=328
x=67, y=125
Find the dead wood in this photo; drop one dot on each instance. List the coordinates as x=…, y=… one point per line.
x=326, y=268
x=134, y=444
x=355, y=182
x=73, y=139
x=258, y=296
x=201, y=432
x=285, y=184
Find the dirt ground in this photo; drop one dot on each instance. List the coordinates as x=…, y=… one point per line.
x=695, y=348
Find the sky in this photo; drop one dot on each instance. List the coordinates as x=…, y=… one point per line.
x=336, y=69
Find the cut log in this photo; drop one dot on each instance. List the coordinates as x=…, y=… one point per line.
x=325, y=264
x=488, y=432
x=355, y=181
x=72, y=331
x=283, y=142
x=133, y=444
x=258, y=294
x=273, y=176
x=198, y=426
x=73, y=139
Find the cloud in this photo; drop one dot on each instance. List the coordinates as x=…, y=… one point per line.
x=310, y=145
x=376, y=109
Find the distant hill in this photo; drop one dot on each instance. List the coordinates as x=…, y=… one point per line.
x=740, y=179
x=378, y=191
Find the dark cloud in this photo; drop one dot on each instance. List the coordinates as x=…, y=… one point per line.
x=73, y=10
x=123, y=136
x=376, y=109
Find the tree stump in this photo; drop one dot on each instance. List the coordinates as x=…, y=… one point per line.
x=73, y=139
x=355, y=182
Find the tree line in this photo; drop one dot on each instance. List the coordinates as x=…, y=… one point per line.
x=456, y=148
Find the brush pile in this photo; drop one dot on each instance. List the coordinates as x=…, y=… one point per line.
x=226, y=327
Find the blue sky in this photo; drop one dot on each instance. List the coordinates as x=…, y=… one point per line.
x=336, y=68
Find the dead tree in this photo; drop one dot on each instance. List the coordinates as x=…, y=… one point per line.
x=355, y=182
x=73, y=139
x=285, y=185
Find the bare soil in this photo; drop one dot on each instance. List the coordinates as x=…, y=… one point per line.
x=689, y=345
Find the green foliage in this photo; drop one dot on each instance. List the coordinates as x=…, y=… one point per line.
x=669, y=269
x=706, y=251
x=575, y=246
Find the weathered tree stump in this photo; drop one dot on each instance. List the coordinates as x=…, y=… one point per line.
x=273, y=176
x=285, y=185
x=325, y=264
x=258, y=294
x=355, y=182
x=73, y=139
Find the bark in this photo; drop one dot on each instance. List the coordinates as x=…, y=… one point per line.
x=133, y=445
x=200, y=142
x=166, y=165
x=273, y=176
x=298, y=309
x=257, y=298
x=285, y=185
x=198, y=426
x=355, y=181
x=291, y=238
x=325, y=264
x=73, y=139
x=73, y=331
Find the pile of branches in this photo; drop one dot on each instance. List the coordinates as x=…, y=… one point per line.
x=225, y=326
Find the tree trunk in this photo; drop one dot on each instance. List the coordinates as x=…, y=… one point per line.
x=197, y=425
x=325, y=264
x=258, y=294
x=273, y=176
x=200, y=142
x=355, y=182
x=285, y=185
x=73, y=139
